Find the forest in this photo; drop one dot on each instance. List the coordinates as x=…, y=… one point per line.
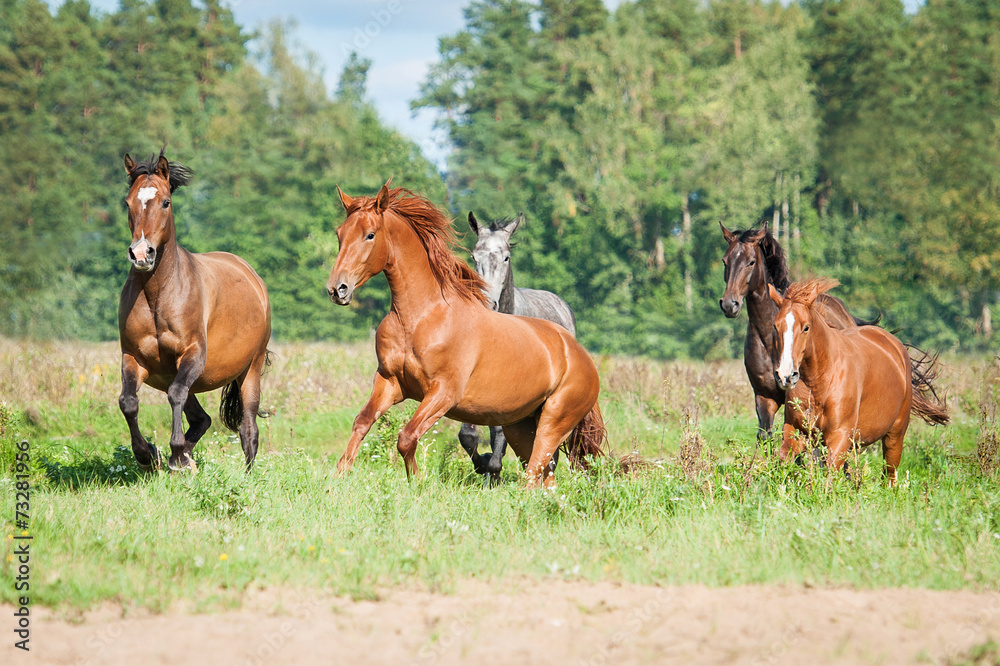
x=865, y=135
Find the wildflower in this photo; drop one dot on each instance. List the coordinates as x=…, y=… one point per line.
x=223, y=557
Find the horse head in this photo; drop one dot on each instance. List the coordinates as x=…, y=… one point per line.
x=150, y=214
x=364, y=249
x=492, y=254
x=793, y=326
x=744, y=267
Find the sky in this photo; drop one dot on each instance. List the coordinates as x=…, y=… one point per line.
x=400, y=37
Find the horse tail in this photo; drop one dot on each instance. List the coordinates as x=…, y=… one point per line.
x=231, y=409
x=587, y=439
x=926, y=404
x=858, y=321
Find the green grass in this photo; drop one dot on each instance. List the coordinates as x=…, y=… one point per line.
x=723, y=515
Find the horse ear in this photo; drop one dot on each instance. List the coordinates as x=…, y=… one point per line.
x=382, y=198
x=727, y=234
x=473, y=223
x=511, y=228
x=129, y=164
x=345, y=200
x=758, y=235
x=163, y=168
x=774, y=294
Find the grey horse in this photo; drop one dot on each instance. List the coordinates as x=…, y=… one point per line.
x=492, y=257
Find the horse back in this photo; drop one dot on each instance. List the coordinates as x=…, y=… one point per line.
x=545, y=305
x=835, y=312
x=883, y=365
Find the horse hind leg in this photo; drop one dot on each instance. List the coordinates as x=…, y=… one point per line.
x=766, y=408
x=133, y=375
x=250, y=397
x=468, y=437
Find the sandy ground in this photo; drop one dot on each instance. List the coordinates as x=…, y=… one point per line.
x=536, y=623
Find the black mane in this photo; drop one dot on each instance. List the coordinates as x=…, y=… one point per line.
x=179, y=174
x=774, y=257
x=497, y=225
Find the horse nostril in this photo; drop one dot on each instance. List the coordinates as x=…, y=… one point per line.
x=342, y=290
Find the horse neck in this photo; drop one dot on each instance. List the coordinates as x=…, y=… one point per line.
x=508, y=293
x=412, y=284
x=820, y=353
x=761, y=310
x=167, y=271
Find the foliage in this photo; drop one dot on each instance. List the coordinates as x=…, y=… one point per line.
x=864, y=134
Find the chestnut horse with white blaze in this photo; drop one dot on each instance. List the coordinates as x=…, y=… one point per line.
x=188, y=323
x=856, y=386
x=441, y=345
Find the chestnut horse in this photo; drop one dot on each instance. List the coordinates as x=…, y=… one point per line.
x=441, y=345
x=855, y=386
x=754, y=260
x=188, y=323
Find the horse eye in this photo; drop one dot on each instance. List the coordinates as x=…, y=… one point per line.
x=805, y=329
x=506, y=259
x=370, y=236
x=752, y=262
x=166, y=203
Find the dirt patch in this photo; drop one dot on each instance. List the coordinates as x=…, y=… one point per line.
x=535, y=623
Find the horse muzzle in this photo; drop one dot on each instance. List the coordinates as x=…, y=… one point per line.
x=730, y=307
x=142, y=254
x=786, y=383
x=341, y=293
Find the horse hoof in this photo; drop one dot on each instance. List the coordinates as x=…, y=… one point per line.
x=153, y=465
x=184, y=463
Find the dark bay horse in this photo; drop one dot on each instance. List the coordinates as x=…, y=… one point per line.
x=188, y=323
x=492, y=257
x=856, y=386
x=754, y=260
x=441, y=345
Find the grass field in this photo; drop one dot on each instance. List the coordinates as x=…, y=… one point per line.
x=711, y=507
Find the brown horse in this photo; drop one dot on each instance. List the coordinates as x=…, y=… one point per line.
x=754, y=260
x=188, y=323
x=441, y=345
x=855, y=386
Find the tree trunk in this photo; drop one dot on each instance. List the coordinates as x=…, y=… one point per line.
x=688, y=259
x=788, y=230
x=796, y=202
x=776, y=208
x=987, y=320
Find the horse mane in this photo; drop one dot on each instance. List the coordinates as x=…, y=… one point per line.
x=501, y=224
x=436, y=234
x=807, y=291
x=179, y=174
x=774, y=256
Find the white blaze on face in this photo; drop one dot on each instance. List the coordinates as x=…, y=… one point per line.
x=786, y=367
x=145, y=194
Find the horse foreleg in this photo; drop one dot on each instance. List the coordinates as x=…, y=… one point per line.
x=198, y=421
x=839, y=443
x=385, y=394
x=189, y=368
x=791, y=442
x=133, y=375
x=766, y=409
x=434, y=405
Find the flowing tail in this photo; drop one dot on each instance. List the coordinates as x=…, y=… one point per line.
x=926, y=404
x=587, y=439
x=231, y=409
